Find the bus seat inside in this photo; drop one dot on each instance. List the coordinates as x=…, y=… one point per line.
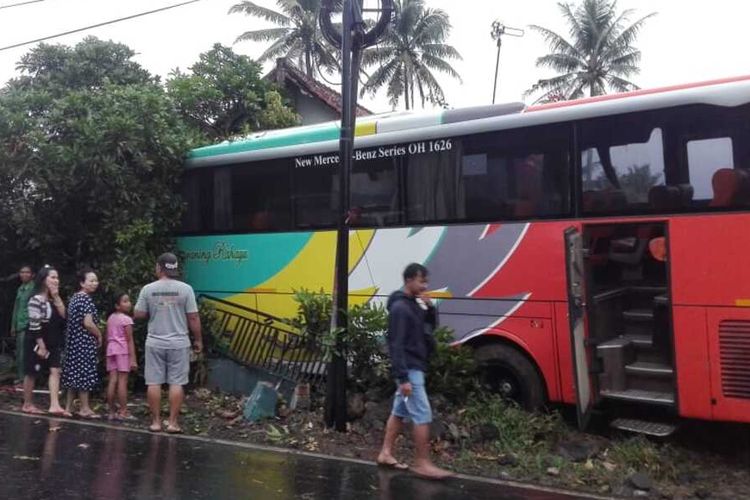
x=670, y=198
x=631, y=249
x=599, y=238
x=731, y=187
x=604, y=201
x=261, y=221
x=658, y=248
x=686, y=195
x=524, y=208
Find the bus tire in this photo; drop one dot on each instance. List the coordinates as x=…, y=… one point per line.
x=505, y=370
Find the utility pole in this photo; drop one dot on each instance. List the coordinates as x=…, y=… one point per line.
x=352, y=39
x=498, y=30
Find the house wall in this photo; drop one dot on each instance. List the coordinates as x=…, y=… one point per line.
x=310, y=109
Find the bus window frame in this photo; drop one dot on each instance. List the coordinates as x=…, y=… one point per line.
x=675, y=136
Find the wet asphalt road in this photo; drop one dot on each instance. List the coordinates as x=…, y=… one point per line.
x=52, y=458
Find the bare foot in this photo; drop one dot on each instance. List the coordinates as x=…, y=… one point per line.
x=154, y=427
x=59, y=412
x=431, y=471
x=32, y=410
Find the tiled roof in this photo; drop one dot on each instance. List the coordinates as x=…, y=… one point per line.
x=285, y=73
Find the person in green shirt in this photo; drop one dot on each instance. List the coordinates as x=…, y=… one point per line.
x=20, y=320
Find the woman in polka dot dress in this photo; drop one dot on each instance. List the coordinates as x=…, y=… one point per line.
x=83, y=340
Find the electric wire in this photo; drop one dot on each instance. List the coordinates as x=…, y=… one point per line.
x=92, y=26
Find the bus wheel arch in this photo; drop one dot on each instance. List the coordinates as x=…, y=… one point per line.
x=508, y=369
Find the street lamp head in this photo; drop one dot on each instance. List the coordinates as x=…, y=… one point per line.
x=498, y=29
x=365, y=38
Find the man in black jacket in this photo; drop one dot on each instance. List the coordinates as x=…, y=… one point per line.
x=411, y=321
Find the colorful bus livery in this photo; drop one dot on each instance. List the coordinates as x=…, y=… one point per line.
x=539, y=226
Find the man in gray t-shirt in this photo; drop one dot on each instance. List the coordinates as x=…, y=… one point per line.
x=172, y=312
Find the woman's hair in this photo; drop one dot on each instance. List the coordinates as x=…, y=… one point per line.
x=40, y=280
x=82, y=273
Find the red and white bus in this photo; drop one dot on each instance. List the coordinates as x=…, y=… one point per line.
x=592, y=252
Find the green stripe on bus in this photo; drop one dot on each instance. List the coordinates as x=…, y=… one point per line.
x=294, y=137
x=238, y=261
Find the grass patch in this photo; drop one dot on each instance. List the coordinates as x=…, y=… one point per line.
x=640, y=454
x=519, y=431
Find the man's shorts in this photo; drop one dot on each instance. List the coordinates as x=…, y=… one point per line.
x=118, y=362
x=416, y=407
x=167, y=366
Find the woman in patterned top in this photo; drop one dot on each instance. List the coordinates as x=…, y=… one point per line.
x=44, y=340
x=83, y=341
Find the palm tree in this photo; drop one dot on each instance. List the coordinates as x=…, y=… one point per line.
x=599, y=56
x=409, y=53
x=297, y=35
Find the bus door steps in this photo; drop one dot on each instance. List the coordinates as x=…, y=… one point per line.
x=649, y=289
x=658, y=429
x=640, y=315
x=639, y=340
x=612, y=293
x=661, y=300
x=640, y=396
x=650, y=369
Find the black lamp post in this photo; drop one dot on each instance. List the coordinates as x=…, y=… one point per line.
x=351, y=40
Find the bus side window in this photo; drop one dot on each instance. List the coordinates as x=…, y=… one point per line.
x=222, y=196
x=314, y=203
x=527, y=173
x=622, y=163
x=705, y=157
x=435, y=188
x=374, y=193
x=260, y=194
x=191, y=196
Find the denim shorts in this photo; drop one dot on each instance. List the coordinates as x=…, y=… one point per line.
x=416, y=407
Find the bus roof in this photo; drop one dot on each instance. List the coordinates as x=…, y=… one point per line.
x=391, y=128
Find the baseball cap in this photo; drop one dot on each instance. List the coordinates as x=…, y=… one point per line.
x=167, y=262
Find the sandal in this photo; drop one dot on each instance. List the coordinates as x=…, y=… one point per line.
x=154, y=428
x=61, y=413
x=89, y=416
x=395, y=465
x=173, y=430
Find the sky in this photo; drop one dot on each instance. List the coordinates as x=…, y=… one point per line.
x=686, y=41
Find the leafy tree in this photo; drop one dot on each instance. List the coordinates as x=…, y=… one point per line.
x=91, y=64
x=600, y=53
x=224, y=95
x=296, y=36
x=409, y=54
x=92, y=149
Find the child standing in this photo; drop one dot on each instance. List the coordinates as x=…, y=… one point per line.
x=121, y=357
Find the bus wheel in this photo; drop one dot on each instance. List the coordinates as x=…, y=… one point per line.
x=509, y=373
